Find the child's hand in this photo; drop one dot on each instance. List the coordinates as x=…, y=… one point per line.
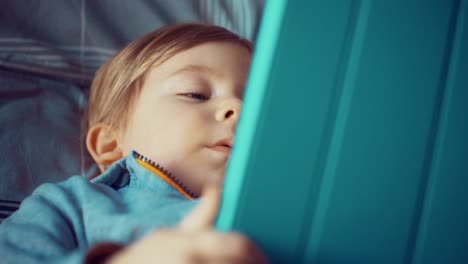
x=193, y=241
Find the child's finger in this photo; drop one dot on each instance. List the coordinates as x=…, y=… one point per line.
x=204, y=214
x=228, y=248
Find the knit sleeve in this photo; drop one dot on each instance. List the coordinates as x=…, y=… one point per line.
x=45, y=229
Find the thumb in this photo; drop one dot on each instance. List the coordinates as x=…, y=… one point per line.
x=204, y=214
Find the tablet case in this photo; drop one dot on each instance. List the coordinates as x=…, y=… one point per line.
x=352, y=145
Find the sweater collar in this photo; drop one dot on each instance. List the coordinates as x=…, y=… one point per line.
x=136, y=170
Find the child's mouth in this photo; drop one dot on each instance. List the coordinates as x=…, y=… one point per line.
x=219, y=153
x=222, y=148
x=223, y=145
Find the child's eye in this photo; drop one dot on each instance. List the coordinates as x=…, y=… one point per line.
x=196, y=96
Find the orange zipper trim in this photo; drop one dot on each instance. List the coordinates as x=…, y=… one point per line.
x=164, y=175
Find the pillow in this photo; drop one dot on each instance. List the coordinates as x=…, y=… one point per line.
x=39, y=133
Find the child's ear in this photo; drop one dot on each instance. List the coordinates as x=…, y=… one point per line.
x=103, y=145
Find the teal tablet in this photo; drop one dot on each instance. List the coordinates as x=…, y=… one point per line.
x=352, y=146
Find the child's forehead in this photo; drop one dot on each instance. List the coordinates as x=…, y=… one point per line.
x=196, y=69
x=212, y=59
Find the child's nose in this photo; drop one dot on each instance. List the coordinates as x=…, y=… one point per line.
x=229, y=110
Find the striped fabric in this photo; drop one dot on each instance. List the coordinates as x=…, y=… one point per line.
x=71, y=39
x=67, y=62
x=7, y=208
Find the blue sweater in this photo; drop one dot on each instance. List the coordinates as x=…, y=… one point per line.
x=58, y=223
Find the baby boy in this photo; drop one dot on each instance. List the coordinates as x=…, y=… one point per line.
x=160, y=126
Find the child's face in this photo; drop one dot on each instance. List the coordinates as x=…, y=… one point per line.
x=185, y=116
